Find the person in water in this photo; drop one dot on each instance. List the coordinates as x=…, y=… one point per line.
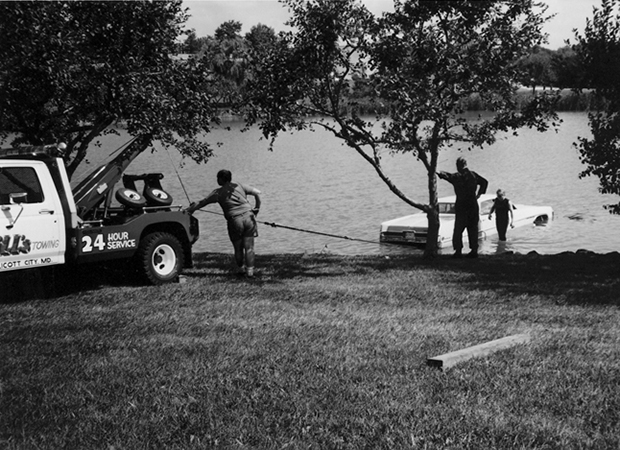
x=240, y=215
x=502, y=207
x=467, y=210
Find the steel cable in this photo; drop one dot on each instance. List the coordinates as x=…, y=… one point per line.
x=277, y=225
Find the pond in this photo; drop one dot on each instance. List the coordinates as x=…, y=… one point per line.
x=313, y=182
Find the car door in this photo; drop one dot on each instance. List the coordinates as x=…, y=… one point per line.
x=31, y=217
x=486, y=227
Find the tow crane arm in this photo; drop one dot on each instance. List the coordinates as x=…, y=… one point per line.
x=97, y=186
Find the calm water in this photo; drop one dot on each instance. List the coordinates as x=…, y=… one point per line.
x=311, y=181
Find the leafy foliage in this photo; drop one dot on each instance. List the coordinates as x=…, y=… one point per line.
x=599, y=50
x=567, y=71
x=225, y=56
x=420, y=63
x=229, y=57
x=537, y=68
x=70, y=70
x=192, y=44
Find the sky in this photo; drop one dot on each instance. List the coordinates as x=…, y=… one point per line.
x=207, y=15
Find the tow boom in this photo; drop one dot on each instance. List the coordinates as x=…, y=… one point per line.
x=95, y=188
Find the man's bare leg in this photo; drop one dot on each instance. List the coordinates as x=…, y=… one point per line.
x=248, y=247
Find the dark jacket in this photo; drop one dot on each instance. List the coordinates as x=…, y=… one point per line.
x=466, y=187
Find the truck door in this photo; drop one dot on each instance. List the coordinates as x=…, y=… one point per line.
x=31, y=218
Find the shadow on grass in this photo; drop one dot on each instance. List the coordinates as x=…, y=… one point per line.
x=274, y=267
x=568, y=278
x=54, y=282
x=573, y=278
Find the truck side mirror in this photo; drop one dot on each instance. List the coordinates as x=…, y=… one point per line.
x=18, y=198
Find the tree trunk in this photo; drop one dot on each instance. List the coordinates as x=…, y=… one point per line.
x=432, y=211
x=431, y=250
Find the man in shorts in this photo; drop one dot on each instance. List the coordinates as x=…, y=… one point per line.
x=240, y=215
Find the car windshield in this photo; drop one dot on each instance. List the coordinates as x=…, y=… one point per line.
x=485, y=207
x=446, y=208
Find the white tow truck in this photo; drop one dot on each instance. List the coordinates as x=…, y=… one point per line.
x=45, y=223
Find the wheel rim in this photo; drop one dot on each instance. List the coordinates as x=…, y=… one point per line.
x=164, y=260
x=132, y=195
x=160, y=194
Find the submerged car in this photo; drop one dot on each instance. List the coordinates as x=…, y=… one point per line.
x=413, y=229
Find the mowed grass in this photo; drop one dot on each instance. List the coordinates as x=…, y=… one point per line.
x=320, y=352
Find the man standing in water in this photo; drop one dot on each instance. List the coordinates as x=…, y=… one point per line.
x=240, y=216
x=503, y=217
x=467, y=211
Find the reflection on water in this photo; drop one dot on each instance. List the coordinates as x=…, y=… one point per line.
x=311, y=181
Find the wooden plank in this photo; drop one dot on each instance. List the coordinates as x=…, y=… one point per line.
x=450, y=359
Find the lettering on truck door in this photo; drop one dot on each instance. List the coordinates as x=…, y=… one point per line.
x=31, y=220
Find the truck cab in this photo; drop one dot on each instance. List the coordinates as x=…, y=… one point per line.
x=32, y=225
x=44, y=222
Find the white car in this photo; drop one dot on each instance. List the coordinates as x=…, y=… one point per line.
x=412, y=229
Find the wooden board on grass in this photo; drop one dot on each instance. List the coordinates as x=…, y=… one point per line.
x=450, y=359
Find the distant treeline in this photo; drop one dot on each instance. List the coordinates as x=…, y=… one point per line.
x=541, y=69
x=568, y=101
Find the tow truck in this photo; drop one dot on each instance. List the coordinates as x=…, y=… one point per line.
x=46, y=223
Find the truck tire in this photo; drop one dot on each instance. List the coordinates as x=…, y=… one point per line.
x=129, y=197
x=157, y=197
x=159, y=258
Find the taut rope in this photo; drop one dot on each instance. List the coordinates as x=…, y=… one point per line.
x=277, y=225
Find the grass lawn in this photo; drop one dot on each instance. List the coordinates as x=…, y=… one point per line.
x=319, y=352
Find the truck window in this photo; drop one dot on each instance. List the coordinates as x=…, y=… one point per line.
x=15, y=180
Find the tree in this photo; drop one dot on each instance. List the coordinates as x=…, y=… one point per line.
x=231, y=57
x=599, y=52
x=567, y=69
x=225, y=54
x=537, y=68
x=420, y=63
x=192, y=43
x=70, y=70
x=228, y=31
x=260, y=37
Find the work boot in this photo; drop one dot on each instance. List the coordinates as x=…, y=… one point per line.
x=457, y=254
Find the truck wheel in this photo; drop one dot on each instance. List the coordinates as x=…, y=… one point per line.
x=129, y=197
x=157, y=197
x=160, y=258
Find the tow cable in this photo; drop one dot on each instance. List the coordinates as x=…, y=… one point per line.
x=178, y=175
x=277, y=225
